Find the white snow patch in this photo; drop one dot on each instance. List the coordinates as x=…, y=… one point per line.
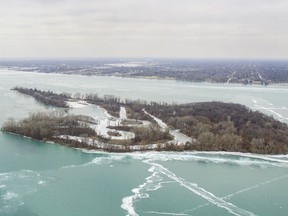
x=77, y=104
x=123, y=113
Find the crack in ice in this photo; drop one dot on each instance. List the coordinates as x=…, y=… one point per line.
x=220, y=202
x=241, y=191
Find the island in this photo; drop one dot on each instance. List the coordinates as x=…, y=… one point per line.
x=135, y=125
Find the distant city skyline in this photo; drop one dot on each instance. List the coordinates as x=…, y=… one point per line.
x=144, y=28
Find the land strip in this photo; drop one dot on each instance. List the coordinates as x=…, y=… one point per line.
x=206, y=126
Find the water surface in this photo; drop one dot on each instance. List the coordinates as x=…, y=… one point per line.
x=37, y=178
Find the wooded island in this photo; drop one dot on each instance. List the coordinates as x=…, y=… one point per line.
x=205, y=126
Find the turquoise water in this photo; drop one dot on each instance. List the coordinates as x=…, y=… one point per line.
x=37, y=178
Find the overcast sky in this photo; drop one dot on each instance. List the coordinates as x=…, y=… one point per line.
x=144, y=28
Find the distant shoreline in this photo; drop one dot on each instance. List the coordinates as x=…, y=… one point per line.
x=258, y=72
x=154, y=78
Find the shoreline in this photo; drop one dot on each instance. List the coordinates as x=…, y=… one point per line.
x=151, y=78
x=140, y=151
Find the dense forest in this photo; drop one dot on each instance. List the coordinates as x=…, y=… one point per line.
x=215, y=126
x=225, y=126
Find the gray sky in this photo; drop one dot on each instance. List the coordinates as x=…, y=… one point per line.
x=144, y=28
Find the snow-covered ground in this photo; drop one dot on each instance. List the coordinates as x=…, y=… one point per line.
x=159, y=121
x=77, y=104
x=104, y=120
x=102, y=130
x=123, y=113
x=179, y=138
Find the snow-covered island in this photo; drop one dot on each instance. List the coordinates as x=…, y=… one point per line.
x=126, y=125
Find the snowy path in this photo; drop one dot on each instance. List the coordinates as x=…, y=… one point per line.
x=122, y=113
x=179, y=138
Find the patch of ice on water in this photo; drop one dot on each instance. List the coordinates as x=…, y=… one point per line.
x=9, y=195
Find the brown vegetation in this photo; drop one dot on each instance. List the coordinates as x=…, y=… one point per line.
x=225, y=126
x=46, y=97
x=45, y=126
x=114, y=133
x=151, y=134
x=215, y=125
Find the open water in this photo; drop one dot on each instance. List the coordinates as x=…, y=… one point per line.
x=43, y=179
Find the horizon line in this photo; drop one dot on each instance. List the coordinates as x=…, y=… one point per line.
x=138, y=58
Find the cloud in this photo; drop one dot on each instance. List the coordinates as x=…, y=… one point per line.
x=182, y=28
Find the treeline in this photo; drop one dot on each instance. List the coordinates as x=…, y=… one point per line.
x=225, y=127
x=147, y=134
x=151, y=134
x=45, y=126
x=45, y=97
x=109, y=102
x=112, y=104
